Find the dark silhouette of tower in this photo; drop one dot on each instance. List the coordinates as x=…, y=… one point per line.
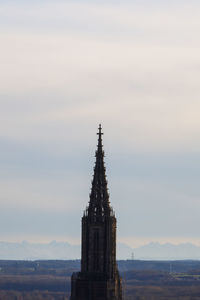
x=99, y=277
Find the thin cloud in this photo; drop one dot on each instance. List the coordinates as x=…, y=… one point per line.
x=134, y=66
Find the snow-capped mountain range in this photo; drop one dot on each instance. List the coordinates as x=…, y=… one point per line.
x=64, y=250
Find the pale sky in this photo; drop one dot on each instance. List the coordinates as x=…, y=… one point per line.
x=66, y=66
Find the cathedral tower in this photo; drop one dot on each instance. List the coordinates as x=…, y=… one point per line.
x=99, y=278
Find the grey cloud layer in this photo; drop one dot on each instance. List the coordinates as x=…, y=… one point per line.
x=135, y=67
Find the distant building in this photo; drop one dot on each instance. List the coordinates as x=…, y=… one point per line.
x=99, y=277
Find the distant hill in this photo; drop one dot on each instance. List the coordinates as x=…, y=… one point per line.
x=157, y=251
x=64, y=250
x=33, y=251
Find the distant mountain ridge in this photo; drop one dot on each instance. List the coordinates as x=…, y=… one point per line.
x=33, y=251
x=64, y=250
x=167, y=251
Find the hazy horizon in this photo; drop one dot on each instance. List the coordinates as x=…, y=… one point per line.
x=133, y=242
x=64, y=250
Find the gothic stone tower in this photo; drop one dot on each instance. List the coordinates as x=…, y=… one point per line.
x=99, y=278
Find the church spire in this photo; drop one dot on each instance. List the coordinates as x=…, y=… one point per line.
x=99, y=277
x=99, y=197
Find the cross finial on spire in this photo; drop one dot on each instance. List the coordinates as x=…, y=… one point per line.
x=100, y=133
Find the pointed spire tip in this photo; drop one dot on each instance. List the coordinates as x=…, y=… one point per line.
x=100, y=133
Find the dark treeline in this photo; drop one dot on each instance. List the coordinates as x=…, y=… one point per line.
x=142, y=280
x=66, y=267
